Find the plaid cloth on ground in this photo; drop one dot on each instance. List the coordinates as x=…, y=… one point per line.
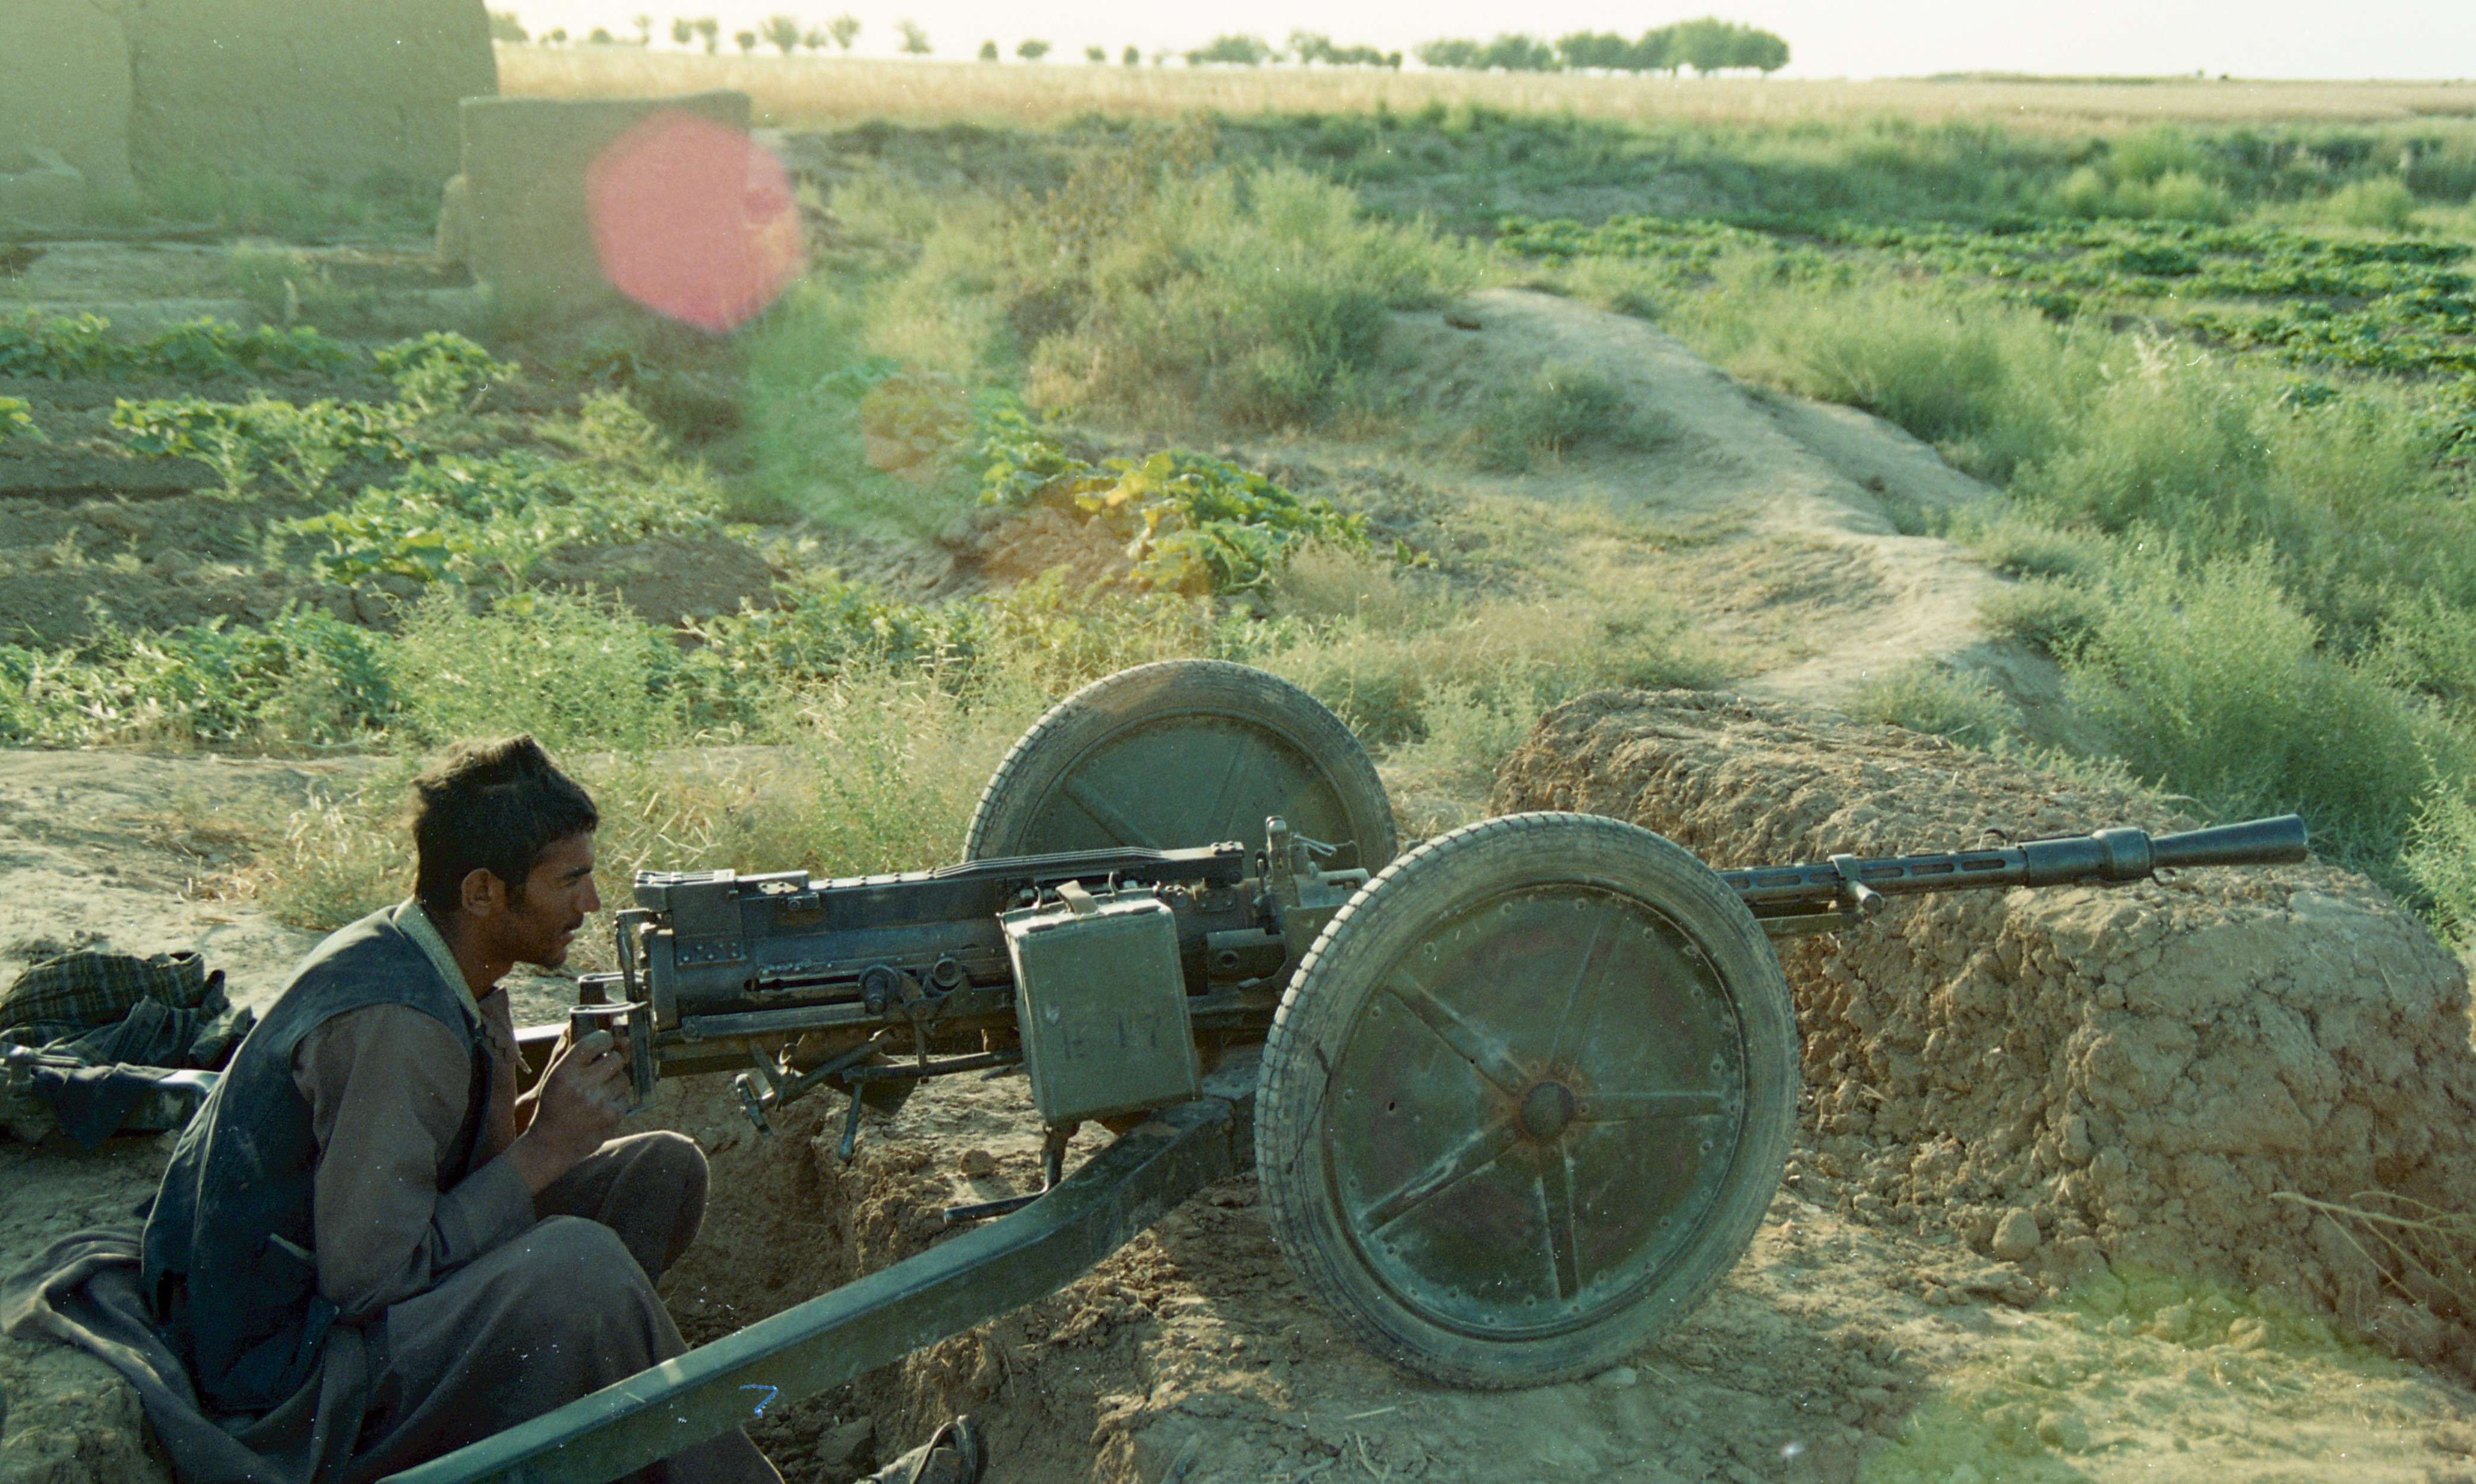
x=66, y=997
x=106, y=1025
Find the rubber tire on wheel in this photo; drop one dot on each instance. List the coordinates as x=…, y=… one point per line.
x=1179, y=753
x=1528, y=1098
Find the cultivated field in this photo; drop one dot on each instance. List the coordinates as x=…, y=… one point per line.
x=827, y=92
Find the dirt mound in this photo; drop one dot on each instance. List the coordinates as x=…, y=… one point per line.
x=1194, y=1351
x=2135, y=1075
x=1788, y=514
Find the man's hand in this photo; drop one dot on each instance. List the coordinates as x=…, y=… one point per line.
x=577, y=1103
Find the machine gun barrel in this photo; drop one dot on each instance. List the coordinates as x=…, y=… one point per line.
x=1845, y=883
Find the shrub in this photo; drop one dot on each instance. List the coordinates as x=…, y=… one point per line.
x=572, y=671
x=1933, y=698
x=1990, y=383
x=305, y=676
x=1448, y=686
x=1558, y=408
x=2208, y=680
x=2053, y=618
x=1643, y=292
x=809, y=370
x=1259, y=295
x=2382, y=204
x=2148, y=155
x=1043, y=638
x=2441, y=860
x=744, y=663
x=2428, y=645
x=2159, y=436
x=877, y=772
x=2180, y=197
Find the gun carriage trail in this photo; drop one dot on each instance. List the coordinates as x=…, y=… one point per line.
x=2001, y=1096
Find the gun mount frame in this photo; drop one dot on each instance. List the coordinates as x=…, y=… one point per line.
x=1517, y=1099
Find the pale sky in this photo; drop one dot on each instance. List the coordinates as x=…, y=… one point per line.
x=2422, y=40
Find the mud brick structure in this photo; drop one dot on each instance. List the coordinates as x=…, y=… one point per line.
x=516, y=215
x=118, y=89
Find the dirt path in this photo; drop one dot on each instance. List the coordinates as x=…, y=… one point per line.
x=1772, y=520
x=1843, y=1347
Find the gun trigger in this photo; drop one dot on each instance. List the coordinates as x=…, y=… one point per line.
x=744, y=1088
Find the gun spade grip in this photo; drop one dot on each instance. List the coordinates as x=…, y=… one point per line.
x=2278, y=841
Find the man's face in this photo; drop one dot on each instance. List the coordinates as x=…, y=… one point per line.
x=537, y=927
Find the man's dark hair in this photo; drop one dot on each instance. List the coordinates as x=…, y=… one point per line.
x=492, y=805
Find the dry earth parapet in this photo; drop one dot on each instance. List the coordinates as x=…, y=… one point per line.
x=2064, y=1077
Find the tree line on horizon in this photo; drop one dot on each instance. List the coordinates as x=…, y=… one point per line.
x=1707, y=45
x=783, y=33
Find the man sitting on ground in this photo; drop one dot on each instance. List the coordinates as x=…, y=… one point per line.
x=371, y=1249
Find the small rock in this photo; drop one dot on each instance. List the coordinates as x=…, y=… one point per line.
x=836, y=1447
x=2015, y=1236
x=2063, y=1432
x=1616, y=1378
x=978, y=1162
x=2077, y=1147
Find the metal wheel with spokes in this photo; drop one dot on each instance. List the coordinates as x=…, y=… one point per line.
x=1183, y=752
x=1528, y=1098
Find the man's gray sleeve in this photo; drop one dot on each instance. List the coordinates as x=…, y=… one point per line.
x=387, y=1086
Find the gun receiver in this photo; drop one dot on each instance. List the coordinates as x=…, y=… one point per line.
x=807, y=983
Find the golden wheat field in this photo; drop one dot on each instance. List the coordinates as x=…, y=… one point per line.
x=807, y=92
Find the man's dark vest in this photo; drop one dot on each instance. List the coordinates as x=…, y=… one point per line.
x=228, y=1264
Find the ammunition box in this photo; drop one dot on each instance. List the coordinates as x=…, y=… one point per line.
x=1101, y=1006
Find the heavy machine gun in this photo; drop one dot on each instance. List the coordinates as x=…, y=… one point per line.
x=1516, y=1100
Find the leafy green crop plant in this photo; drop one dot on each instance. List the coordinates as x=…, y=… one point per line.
x=82, y=347
x=303, y=445
x=488, y=519
x=17, y=421
x=1191, y=523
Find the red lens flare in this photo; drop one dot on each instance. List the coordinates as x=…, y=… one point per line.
x=695, y=220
